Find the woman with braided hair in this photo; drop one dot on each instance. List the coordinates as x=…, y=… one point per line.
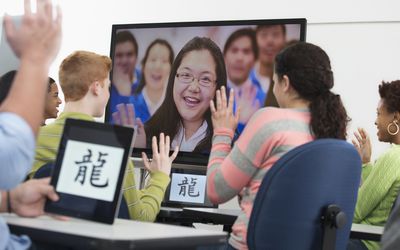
x=380, y=180
x=307, y=110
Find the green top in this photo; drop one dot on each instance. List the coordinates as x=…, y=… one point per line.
x=143, y=204
x=378, y=191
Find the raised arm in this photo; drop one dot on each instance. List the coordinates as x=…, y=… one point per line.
x=145, y=204
x=36, y=42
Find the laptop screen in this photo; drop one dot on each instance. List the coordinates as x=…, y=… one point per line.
x=188, y=188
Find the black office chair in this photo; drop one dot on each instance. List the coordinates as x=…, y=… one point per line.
x=307, y=199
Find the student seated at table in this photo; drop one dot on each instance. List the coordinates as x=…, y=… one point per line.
x=308, y=110
x=380, y=183
x=52, y=99
x=84, y=80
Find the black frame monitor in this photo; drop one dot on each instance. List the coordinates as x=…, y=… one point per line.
x=129, y=79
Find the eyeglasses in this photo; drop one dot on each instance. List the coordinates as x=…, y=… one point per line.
x=188, y=78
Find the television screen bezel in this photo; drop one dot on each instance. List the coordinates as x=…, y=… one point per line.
x=192, y=158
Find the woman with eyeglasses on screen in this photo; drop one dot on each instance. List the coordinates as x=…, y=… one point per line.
x=197, y=72
x=308, y=111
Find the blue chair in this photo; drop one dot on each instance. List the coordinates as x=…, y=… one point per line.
x=291, y=207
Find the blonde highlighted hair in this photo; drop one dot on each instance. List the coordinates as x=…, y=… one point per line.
x=79, y=70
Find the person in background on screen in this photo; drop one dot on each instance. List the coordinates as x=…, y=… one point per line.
x=84, y=80
x=198, y=70
x=308, y=111
x=36, y=41
x=156, y=66
x=52, y=99
x=380, y=183
x=270, y=39
x=125, y=76
x=240, y=53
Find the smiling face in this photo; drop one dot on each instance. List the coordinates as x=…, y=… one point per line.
x=52, y=102
x=157, y=67
x=239, y=60
x=383, y=119
x=192, y=100
x=125, y=57
x=270, y=41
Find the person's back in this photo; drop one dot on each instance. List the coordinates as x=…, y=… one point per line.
x=84, y=81
x=308, y=110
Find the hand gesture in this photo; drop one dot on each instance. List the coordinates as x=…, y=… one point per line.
x=363, y=145
x=222, y=115
x=122, y=80
x=161, y=160
x=38, y=39
x=247, y=103
x=29, y=197
x=125, y=116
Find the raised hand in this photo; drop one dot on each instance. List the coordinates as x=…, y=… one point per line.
x=125, y=116
x=121, y=80
x=363, y=145
x=38, y=39
x=247, y=103
x=222, y=114
x=161, y=160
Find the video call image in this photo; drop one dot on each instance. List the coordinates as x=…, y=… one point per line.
x=169, y=75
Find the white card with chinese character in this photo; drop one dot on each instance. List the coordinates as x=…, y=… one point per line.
x=188, y=188
x=90, y=170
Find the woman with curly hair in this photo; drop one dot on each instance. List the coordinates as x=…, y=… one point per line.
x=380, y=179
x=308, y=110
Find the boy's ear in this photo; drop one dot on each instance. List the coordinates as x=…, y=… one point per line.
x=95, y=88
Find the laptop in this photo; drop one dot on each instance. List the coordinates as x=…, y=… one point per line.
x=89, y=170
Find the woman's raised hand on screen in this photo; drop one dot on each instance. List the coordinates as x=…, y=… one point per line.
x=363, y=145
x=161, y=160
x=222, y=114
x=121, y=80
x=125, y=116
x=247, y=103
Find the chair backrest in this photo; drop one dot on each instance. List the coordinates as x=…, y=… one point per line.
x=294, y=193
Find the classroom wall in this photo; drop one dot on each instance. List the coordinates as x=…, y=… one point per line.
x=361, y=37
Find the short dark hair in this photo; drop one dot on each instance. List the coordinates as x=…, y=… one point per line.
x=127, y=36
x=247, y=32
x=264, y=26
x=390, y=93
x=6, y=81
x=51, y=81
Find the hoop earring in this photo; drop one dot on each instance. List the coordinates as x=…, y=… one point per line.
x=394, y=123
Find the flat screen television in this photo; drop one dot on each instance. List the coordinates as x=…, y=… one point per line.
x=169, y=72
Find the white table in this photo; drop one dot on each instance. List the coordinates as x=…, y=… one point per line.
x=123, y=234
